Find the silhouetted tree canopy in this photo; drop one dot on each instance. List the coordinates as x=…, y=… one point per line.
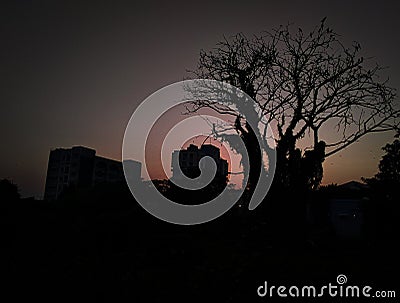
x=310, y=87
x=385, y=195
x=387, y=180
x=389, y=166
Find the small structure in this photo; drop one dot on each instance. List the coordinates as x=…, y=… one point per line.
x=346, y=209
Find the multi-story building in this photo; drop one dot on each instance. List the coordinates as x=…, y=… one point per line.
x=79, y=166
x=189, y=161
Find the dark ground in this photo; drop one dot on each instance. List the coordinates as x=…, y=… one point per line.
x=108, y=250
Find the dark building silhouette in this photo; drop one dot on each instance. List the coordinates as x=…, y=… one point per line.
x=79, y=166
x=346, y=209
x=134, y=171
x=189, y=161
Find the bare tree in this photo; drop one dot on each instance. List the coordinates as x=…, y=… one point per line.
x=302, y=84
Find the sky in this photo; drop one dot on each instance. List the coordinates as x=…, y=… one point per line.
x=72, y=73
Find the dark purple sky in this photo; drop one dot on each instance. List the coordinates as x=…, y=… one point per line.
x=72, y=73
